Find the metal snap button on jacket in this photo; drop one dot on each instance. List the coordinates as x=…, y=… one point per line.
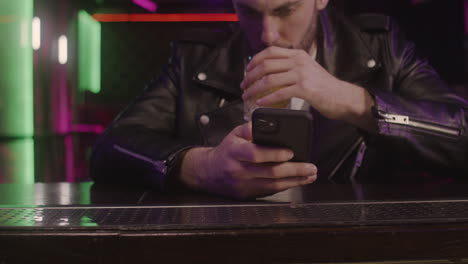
x=204, y=120
x=371, y=64
x=202, y=76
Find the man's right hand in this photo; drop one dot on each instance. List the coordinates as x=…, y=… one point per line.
x=240, y=169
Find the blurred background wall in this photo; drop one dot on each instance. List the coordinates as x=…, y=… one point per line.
x=68, y=67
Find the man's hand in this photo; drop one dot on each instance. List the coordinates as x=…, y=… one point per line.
x=302, y=77
x=240, y=169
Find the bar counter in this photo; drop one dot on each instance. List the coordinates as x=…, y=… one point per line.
x=58, y=222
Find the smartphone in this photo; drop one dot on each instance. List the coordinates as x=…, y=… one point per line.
x=286, y=128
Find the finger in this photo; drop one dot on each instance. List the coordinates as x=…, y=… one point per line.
x=279, y=185
x=252, y=153
x=244, y=131
x=270, y=83
x=267, y=67
x=281, y=170
x=270, y=53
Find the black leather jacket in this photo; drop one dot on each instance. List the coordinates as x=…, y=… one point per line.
x=196, y=102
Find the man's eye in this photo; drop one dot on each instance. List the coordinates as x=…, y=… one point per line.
x=283, y=12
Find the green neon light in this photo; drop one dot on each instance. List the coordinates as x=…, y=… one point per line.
x=86, y=221
x=16, y=90
x=16, y=77
x=18, y=195
x=89, y=49
x=17, y=161
x=85, y=193
x=85, y=199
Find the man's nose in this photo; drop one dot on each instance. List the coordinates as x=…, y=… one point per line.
x=270, y=32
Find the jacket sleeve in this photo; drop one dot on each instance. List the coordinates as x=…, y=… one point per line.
x=141, y=145
x=420, y=113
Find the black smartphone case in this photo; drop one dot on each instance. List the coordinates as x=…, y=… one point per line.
x=290, y=129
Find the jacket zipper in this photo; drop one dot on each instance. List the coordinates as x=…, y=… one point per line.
x=405, y=120
x=159, y=165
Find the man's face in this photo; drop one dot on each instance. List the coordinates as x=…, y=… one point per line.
x=282, y=23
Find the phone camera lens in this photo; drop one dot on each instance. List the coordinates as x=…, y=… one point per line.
x=266, y=125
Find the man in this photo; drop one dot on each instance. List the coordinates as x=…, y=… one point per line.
x=379, y=109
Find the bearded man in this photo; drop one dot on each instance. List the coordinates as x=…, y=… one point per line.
x=381, y=113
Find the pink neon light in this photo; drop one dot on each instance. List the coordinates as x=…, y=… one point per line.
x=146, y=4
x=60, y=100
x=69, y=159
x=85, y=128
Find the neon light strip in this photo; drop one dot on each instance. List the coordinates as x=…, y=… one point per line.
x=89, y=50
x=63, y=50
x=16, y=91
x=166, y=17
x=146, y=4
x=85, y=128
x=36, y=33
x=85, y=199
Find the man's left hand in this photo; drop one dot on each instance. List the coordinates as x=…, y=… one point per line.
x=301, y=76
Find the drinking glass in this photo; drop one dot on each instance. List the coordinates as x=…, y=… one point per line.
x=250, y=105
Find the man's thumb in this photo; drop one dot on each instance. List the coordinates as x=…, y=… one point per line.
x=244, y=131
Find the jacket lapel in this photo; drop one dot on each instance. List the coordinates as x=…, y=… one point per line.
x=224, y=67
x=342, y=51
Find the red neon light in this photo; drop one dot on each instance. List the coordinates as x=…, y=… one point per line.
x=166, y=17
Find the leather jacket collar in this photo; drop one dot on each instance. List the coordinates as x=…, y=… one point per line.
x=224, y=66
x=351, y=62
